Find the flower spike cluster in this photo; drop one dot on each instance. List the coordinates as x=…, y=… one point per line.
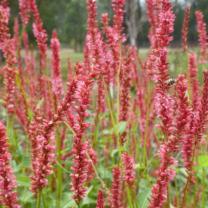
x=100, y=200
x=56, y=74
x=184, y=32
x=202, y=33
x=7, y=45
x=116, y=192
x=129, y=169
x=193, y=70
x=8, y=195
x=81, y=162
x=24, y=6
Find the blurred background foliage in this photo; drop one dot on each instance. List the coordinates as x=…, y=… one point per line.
x=69, y=18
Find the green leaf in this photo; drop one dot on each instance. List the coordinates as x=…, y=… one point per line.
x=144, y=198
x=117, y=129
x=26, y=197
x=202, y=161
x=121, y=127
x=144, y=193
x=68, y=201
x=23, y=181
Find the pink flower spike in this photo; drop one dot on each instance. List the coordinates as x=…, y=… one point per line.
x=56, y=74
x=24, y=6
x=202, y=33
x=185, y=28
x=8, y=195
x=100, y=200
x=116, y=191
x=129, y=169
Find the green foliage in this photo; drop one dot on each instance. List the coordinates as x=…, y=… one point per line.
x=69, y=18
x=203, y=161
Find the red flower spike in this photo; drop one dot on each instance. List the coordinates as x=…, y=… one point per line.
x=100, y=200
x=129, y=169
x=116, y=190
x=202, y=33
x=56, y=74
x=8, y=195
x=185, y=28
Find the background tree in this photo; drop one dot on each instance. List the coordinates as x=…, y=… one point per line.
x=69, y=17
x=72, y=24
x=133, y=17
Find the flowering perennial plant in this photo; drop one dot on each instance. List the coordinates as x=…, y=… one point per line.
x=8, y=195
x=119, y=132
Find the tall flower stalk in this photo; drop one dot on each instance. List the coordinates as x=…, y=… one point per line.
x=8, y=195
x=202, y=34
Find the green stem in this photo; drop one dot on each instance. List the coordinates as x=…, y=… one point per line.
x=38, y=201
x=129, y=197
x=59, y=181
x=11, y=132
x=44, y=202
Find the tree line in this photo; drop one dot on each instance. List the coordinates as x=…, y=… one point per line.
x=69, y=17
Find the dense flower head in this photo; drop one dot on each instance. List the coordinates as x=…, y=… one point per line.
x=9, y=51
x=100, y=200
x=126, y=73
x=183, y=113
x=116, y=190
x=93, y=37
x=152, y=14
x=162, y=67
x=129, y=169
x=105, y=20
x=188, y=142
x=4, y=3
x=203, y=111
x=125, y=82
x=193, y=75
x=164, y=107
x=92, y=160
x=41, y=37
x=35, y=12
x=56, y=73
x=4, y=20
x=159, y=190
x=165, y=25
x=39, y=33
x=92, y=15
x=82, y=164
x=24, y=6
x=184, y=31
x=162, y=36
x=118, y=9
x=79, y=169
x=8, y=195
x=35, y=132
x=165, y=174
x=202, y=33
x=8, y=47
x=9, y=82
x=101, y=96
x=42, y=142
